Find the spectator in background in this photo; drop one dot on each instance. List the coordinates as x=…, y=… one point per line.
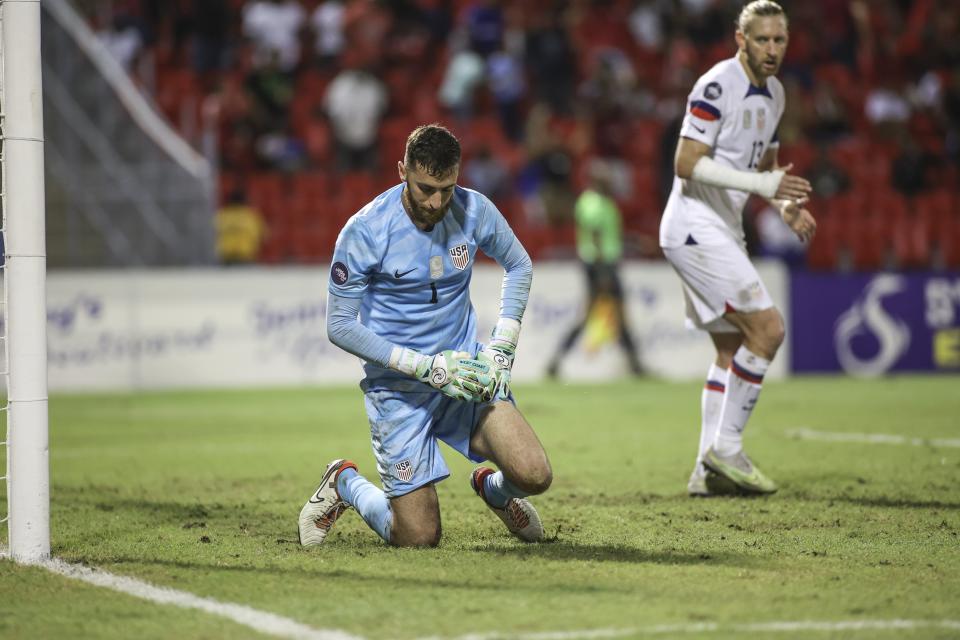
x=506, y=82
x=830, y=118
x=327, y=22
x=886, y=106
x=355, y=103
x=910, y=167
x=124, y=39
x=463, y=75
x=281, y=150
x=485, y=25
x=240, y=231
x=271, y=94
x=486, y=174
x=606, y=108
x=274, y=28
x=600, y=248
x=827, y=178
x=951, y=114
x=209, y=23
x=551, y=61
x=546, y=179
x=366, y=25
x=646, y=24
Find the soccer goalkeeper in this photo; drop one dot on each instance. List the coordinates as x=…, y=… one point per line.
x=402, y=264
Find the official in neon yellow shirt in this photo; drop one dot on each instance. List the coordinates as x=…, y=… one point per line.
x=600, y=248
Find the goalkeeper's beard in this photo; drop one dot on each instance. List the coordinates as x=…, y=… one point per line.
x=422, y=216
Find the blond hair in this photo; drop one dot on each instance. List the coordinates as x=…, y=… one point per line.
x=758, y=9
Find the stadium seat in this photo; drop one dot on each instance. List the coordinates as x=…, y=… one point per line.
x=264, y=189
x=276, y=246
x=868, y=241
x=948, y=241
x=644, y=144
x=800, y=154
x=313, y=244
x=824, y=250
x=911, y=242
x=889, y=205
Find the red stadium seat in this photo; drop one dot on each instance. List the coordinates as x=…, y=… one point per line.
x=868, y=241
x=889, y=205
x=800, y=154
x=824, y=250
x=911, y=242
x=948, y=241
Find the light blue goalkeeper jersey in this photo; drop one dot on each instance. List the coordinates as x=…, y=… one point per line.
x=414, y=286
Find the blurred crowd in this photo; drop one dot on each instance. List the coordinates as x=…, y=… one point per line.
x=307, y=104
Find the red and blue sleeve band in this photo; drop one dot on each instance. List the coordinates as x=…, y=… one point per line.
x=704, y=110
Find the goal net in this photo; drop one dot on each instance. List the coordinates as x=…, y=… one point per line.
x=122, y=187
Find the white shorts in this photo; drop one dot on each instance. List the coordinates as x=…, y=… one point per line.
x=717, y=279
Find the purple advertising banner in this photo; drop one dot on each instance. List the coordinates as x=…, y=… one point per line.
x=871, y=324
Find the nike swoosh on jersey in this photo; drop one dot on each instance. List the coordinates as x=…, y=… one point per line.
x=398, y=275
x=698, y=128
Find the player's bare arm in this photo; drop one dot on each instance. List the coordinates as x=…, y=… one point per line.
x=689, y=152
x=792, y=210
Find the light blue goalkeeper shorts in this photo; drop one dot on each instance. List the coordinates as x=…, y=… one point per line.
x=405, y=426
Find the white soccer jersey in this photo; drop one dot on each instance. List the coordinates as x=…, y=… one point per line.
x=739, y=121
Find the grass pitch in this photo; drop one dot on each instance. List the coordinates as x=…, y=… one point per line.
x=201, y=491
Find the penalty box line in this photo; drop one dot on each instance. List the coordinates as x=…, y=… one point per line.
x=262, y=621
x=804, y=433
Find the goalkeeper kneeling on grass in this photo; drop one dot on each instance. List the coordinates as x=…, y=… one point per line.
x=399, y=298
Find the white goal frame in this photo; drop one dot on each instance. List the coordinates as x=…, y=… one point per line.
x=24, y=277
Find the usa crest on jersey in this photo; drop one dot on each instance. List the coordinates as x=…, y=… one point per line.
x=460, y=256
x=404, y=470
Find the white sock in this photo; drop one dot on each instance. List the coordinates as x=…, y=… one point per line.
x=711, y=403
x=743, y=387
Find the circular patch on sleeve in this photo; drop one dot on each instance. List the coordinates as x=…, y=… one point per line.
x=713, y=91
x=339, y=273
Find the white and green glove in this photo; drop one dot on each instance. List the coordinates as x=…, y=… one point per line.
x=453, y=373
x=500, y=352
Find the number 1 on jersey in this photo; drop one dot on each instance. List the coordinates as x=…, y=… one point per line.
x=756, y=154
x=433, y=291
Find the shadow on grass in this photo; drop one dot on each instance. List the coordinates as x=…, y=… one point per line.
x=562, y=550
x=894, y=503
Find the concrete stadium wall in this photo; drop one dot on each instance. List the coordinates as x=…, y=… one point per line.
x=253, y=327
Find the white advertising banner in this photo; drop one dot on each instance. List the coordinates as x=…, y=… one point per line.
x=255, y=327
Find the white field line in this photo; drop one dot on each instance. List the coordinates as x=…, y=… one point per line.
x=710, y=627
x=274, y=625
x=262, y=621
x=870, y=438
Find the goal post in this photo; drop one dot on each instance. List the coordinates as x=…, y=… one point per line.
x=24, y=277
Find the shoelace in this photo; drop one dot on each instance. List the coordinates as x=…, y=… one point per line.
x=517, y=515
x=326, y=520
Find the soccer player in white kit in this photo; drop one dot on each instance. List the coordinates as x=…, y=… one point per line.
x=728, y=150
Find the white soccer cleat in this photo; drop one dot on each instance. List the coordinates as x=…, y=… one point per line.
x=704, y=483
x=697, y=484
x=740, y=470
x=519, y=515
x=324, y=507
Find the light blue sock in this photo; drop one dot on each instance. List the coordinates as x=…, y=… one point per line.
x=498, y=490
x=369, y=501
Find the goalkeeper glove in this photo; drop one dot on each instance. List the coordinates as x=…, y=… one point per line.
x=500, y=352
x=453, y=373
